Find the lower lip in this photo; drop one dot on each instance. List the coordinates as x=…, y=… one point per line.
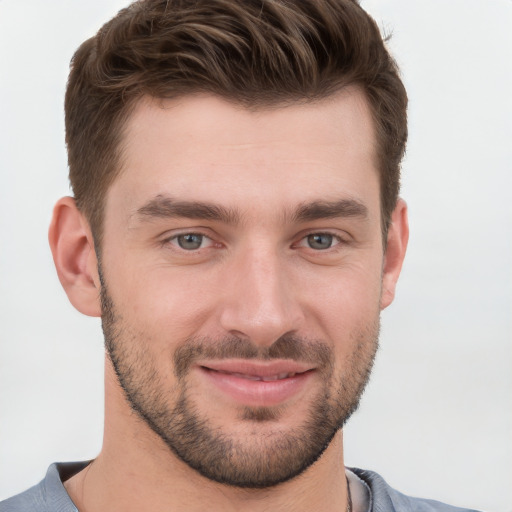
x=257, y=393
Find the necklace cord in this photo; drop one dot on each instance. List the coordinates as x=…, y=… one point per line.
x=349, y=497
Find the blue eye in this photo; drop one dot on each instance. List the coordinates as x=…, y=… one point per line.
x=190, y=241
x=320, y=241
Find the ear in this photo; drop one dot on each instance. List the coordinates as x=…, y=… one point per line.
x=73, y=252
x=397, y=238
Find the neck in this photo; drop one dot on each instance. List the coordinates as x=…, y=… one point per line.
x=136, y=471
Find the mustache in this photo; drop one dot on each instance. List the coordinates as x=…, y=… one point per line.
x=293, y=347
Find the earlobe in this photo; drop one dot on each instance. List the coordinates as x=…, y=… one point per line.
x=74, y=256
x=398, y=236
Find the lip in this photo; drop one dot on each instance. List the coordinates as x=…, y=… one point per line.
x=257, y=384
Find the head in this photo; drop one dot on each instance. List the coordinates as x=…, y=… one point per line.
x=235, y=167
x=257, y=54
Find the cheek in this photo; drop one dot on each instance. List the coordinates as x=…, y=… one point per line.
x=346, y=296
x=163, y=299
x=346, y=315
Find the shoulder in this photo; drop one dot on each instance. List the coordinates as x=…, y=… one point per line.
x=47, y=496
x=386, y=499
x=33, y=499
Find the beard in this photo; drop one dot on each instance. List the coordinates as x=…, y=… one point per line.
x=264, y=453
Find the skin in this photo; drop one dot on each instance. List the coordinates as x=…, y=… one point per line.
x=256, y=278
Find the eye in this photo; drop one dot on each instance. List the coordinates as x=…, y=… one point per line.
x=320, y=241
x=190, y=241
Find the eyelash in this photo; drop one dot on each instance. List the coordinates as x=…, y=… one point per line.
x=335, y=240
x=303, y=241
x=175, y=238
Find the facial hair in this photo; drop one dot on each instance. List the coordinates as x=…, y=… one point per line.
x=259, y=458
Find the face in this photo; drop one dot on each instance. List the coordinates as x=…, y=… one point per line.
x=241, y=271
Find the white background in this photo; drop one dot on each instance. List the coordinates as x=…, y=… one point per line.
x=437, y=419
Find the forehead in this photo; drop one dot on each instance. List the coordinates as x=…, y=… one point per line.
x=203, y=148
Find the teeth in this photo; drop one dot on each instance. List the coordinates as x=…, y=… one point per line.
x=241, y=375
x=277, y=377
x=248, y=377
x=270, y=378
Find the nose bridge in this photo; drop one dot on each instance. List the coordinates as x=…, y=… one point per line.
x=260, y=305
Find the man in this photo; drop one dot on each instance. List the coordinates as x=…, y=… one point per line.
x=236, y=224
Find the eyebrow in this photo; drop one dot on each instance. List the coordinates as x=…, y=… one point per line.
x=167, y=207
x=330, y=209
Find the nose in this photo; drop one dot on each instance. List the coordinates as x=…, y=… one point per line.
x=259, y=301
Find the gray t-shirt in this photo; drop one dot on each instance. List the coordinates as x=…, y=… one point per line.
x=369, y=491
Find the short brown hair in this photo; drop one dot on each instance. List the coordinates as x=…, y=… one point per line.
x=255, y=53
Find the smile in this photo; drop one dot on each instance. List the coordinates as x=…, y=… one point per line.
x=268, y=378
x=256, y=384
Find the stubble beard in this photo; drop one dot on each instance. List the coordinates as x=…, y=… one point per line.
x=263, y=457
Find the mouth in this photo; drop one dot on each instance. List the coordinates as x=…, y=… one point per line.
x=264, y=378
x=257, y=384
